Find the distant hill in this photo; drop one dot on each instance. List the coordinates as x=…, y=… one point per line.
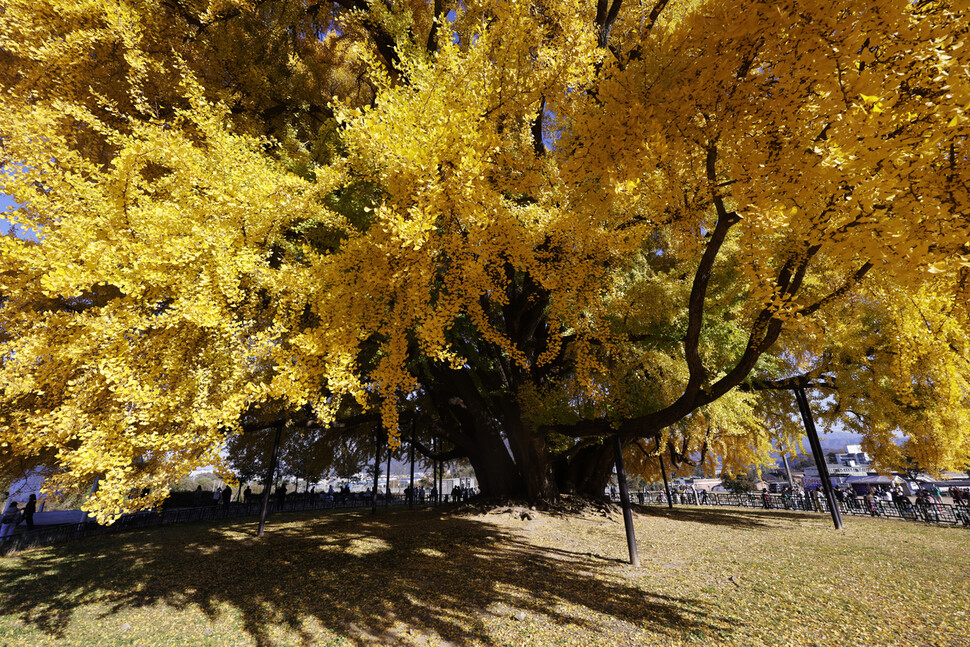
x=836, y=440
x=831, y=442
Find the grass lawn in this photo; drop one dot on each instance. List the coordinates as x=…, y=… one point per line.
x=708, y=577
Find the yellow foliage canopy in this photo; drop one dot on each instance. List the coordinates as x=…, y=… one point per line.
x=611, y=217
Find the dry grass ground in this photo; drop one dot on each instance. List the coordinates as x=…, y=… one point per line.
x=708, y=577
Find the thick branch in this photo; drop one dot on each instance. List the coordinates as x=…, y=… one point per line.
x=605, y=19
x=702, y=277
x=636, y=53
x=654, y=14
x=537, y=144
x=804, y=381
x=449, y=455
x=382, y=40
x=439, y=11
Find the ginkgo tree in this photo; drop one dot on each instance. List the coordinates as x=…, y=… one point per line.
x=530, y=225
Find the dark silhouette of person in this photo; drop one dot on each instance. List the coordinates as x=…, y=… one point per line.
x=29, y=511
x=197, y=498
x=11, y=516
x=247, y=494
x=226, y=495
x=280, y=496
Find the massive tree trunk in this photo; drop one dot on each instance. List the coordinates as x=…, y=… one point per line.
x=497, y=474
x=586, y=470
x=482, y=417
x=471, y=427
x=513, y=460
x=530, y=451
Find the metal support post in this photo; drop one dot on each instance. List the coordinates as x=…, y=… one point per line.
x=631, y=540
x=823, y=470
x=411, y=485
x=387, y=480
x=441, y=479
x=663, y=472
x=377, y=471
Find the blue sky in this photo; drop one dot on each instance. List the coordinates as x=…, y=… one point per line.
x=5, y=203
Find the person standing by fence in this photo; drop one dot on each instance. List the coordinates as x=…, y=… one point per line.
x=280, y=496
x=29, y=511
x=11, y=515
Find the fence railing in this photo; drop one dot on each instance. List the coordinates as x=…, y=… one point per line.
x=937, y=513
x=940, y=513
x=48, y=535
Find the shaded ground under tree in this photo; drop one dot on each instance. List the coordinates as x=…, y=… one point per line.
x=709, y=577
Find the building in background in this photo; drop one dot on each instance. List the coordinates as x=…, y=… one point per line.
x=842, y=466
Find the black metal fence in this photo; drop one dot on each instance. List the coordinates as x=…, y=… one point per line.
x=48, y=535
x=940, y=513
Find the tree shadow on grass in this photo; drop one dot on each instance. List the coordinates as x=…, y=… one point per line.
x=737, y=518
x=372, y=580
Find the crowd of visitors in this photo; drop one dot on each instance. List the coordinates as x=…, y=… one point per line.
x=873, y=500
x=13, y=515
x=336, y=497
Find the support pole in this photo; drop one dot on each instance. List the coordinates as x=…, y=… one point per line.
x=823, y=470
x=387, y=480
x=377, y=472
x=411, y=484
x=269, y=481
x=631, y=540
x=434, y=470
x=791, y=481
x=441, y=478
x=663, y=472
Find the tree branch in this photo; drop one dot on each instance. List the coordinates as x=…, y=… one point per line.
x=803, y=381
x=702, y=277
x=382, y=40
x=449, y=455
x=538, y=145
x=658, y=8
x=439, y=11
x=605, y=19
x=851, y=282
